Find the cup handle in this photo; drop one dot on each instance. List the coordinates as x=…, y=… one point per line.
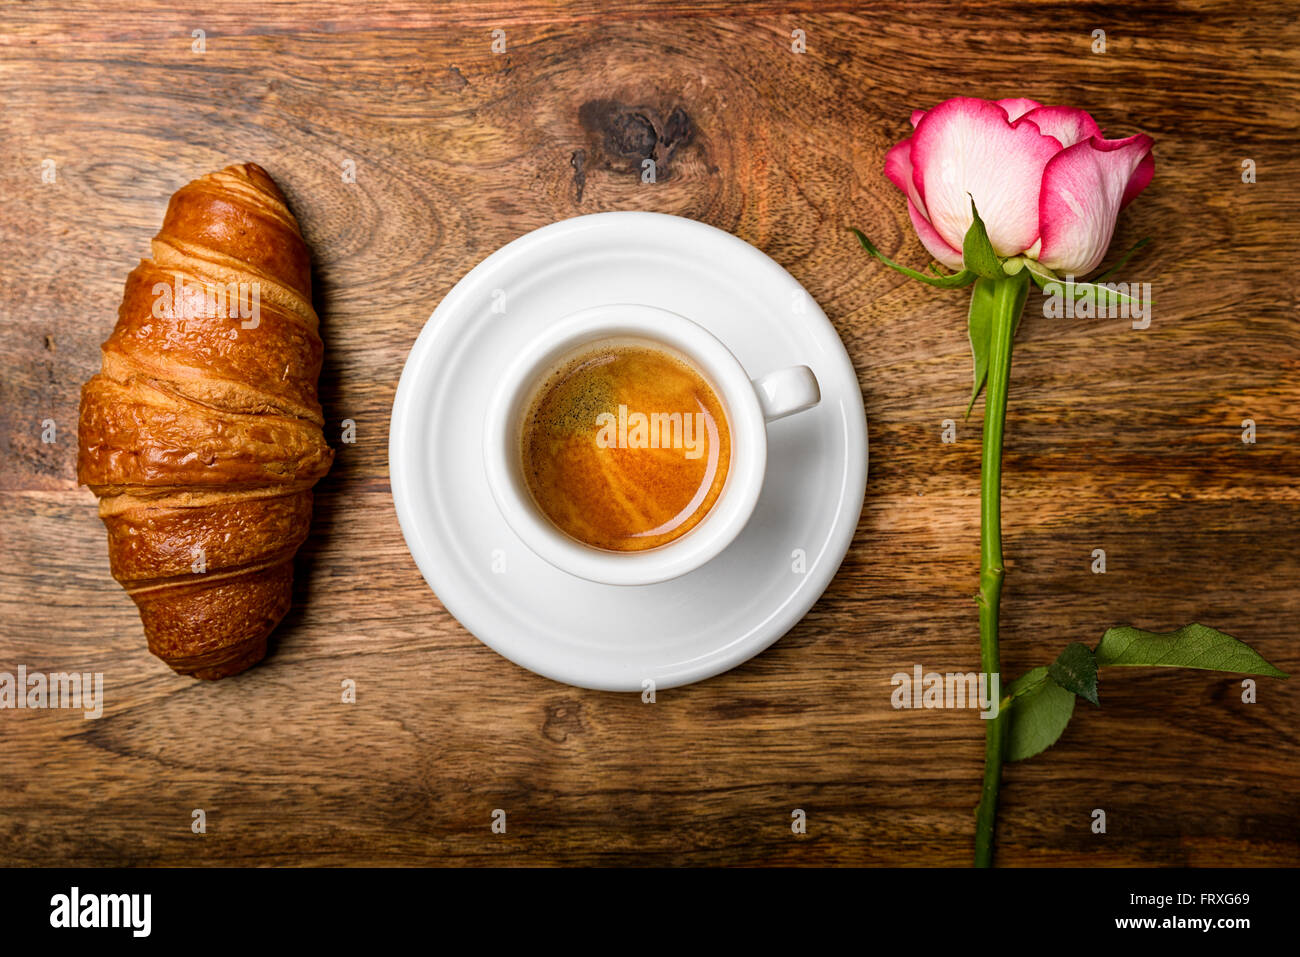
x=787, y=391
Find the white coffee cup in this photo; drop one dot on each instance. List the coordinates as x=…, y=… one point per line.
x=749, y=406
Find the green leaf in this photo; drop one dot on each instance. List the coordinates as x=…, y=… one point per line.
x=1192, y=646
x=980, y=329
x=977, y=251
x=1039, y=711
x=1076, y=670
x=955, y=281
x=1027, y=682
x=1123, y=259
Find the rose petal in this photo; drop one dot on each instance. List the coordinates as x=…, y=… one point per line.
x=964, y=146
x=1017, y=107
x=931, y=239
x=898, y=167
x=1140, y=179
x=916, y=117
x=1084, y=187
x=1065, y=124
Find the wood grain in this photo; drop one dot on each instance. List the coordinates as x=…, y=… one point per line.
x=1118, y=439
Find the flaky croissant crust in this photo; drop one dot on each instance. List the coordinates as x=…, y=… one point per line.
x=201, y=434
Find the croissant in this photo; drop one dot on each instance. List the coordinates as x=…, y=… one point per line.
x=201, y=434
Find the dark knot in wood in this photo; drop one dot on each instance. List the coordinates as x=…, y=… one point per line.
x=623, y=137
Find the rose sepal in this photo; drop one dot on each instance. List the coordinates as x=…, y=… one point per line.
x=939, y=280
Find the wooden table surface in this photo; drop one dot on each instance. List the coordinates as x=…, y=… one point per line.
x=1118, y=439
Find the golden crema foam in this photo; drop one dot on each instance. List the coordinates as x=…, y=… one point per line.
x=625, y=445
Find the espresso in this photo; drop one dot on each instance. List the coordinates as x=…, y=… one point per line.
x=625, y=446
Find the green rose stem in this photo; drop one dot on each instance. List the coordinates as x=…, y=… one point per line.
x=1006, y=304
x=1042, y=699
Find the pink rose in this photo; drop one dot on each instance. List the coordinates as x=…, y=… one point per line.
x=1045, y=181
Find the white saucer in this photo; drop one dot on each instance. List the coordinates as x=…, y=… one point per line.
x=612, y=637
